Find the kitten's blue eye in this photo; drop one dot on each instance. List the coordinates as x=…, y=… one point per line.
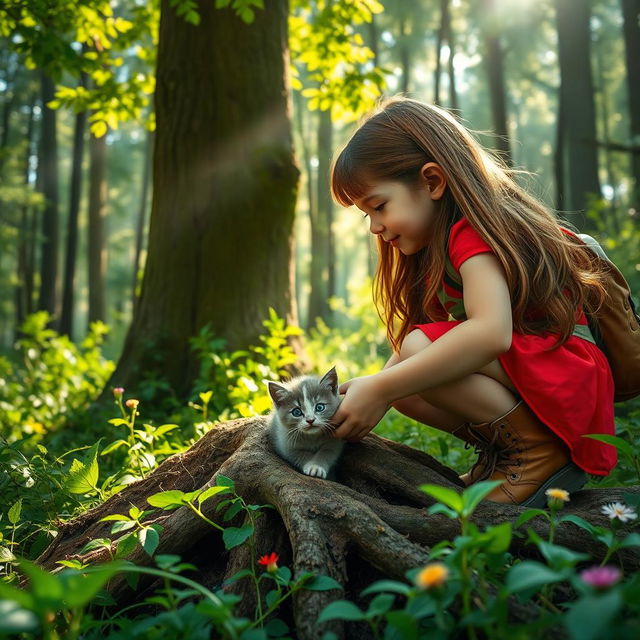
x=320, y=407
x=296, y=412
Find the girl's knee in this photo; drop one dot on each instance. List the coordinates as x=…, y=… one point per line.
x=415, y=341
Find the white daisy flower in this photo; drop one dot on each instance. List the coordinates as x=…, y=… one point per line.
x=620, y=511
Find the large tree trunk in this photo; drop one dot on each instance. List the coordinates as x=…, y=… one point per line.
x=221, y=229
x=579, y=150
x=370, y=523
x=631, y=31
x=48, y=174
x=97, y=250
x=68, y=291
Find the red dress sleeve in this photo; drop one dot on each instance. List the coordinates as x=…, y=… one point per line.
x=464, y=242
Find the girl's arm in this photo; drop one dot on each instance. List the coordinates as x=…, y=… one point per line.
x=461, y=351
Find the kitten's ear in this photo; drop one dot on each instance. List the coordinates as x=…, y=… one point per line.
x=277, y=392
x=331, y=378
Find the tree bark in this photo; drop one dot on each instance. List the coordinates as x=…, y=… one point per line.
x=66, y=319
x=48, y=170
x=370, y=523
x=141, y=224
x=631, y=31
x=494, y=65
x=579, y=151
x=97, y=250
x=322, y=274
x=221, y=227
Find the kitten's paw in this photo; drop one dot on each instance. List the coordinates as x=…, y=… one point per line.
x=314, y=470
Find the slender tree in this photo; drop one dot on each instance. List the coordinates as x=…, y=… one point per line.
x=631, y=31
x=68, y=292
x=578, y=153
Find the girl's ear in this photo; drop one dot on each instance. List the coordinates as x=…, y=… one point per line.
x=434, y=177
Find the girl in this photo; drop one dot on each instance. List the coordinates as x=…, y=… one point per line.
x=482, y=293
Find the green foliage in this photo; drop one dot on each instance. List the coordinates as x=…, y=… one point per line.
x=49, y=378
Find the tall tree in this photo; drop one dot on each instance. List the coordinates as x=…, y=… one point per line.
x=220, y=238
x=445, y=35
x=48, y=173
x=631, y=31
x=97, y=252
x=578, y=154
x=71, y=248
x=494, y=66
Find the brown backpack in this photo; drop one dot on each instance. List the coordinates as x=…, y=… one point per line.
x=616, y=329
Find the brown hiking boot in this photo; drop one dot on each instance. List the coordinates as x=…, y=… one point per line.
x=523, y=452
x=482, y=448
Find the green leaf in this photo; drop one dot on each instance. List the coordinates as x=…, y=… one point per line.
x=498, y=537
x=472, y=496
x=134, y=512
x=113, y=446
x=6, y=555
x=444, y=495
x=83, y=477
x=530, y=575
x=165, y=428
x=211, y=491
x=387, y=585
x=322, y=583
x=118, y=422
x=115, y=516
x=126, y=545
x=559, y=557
x=340, y=610
x=529, y=514
x=619, y=443
x=272, y=597
x=235, y=536
x=232, y=511
x=15, y=619
x=592, y=615
x=149, y=539
x=380, y=604
x=80, y=587
x=632, y=540
x=276, y=628
x=243, y=573
x=580, y=522
x=167, y=499
x=404, y=623
x=97, y=543
x=14, y=512
x=45, y=587
x=440, y=508
x=223, y=481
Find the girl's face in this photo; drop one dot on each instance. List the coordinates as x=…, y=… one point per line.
x=399, y=214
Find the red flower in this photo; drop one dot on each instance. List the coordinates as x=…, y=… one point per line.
x=270, y=561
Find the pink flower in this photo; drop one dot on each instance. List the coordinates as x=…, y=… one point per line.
x=117, y=392
x=601, y=577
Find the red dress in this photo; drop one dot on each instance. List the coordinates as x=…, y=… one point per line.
x=569, y=388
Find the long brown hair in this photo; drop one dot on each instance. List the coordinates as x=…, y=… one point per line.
x=547, y=272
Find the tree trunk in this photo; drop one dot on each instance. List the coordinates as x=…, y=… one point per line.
x=580, y=155
x=141, y=224
x=405, y=55
x=372, y=522
x=321, y=245
x=494, y=65
x=221, y=228
x=24, y=275
x=48, y=170
x=631, y=30
x=66, y=319
x=97, y=250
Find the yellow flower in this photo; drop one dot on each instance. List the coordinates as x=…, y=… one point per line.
x=433, y=575
x=557, y=494
x=132, y=403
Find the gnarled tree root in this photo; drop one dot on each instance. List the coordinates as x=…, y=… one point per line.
x=370, y=523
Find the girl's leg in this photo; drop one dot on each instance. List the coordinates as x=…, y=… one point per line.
x=479, y=397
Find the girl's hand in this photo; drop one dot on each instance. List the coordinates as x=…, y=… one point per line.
x=362, y=407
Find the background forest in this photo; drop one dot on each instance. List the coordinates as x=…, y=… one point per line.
x=168, y=240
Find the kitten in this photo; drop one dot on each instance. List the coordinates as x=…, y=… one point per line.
x=299, y=426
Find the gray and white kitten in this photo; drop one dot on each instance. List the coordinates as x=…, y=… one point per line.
x=299, y=426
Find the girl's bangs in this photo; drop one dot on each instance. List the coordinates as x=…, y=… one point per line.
x=348, y=184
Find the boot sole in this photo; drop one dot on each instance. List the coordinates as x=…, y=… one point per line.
x=570, y=478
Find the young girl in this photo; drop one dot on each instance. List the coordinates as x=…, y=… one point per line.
x=483, y=294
